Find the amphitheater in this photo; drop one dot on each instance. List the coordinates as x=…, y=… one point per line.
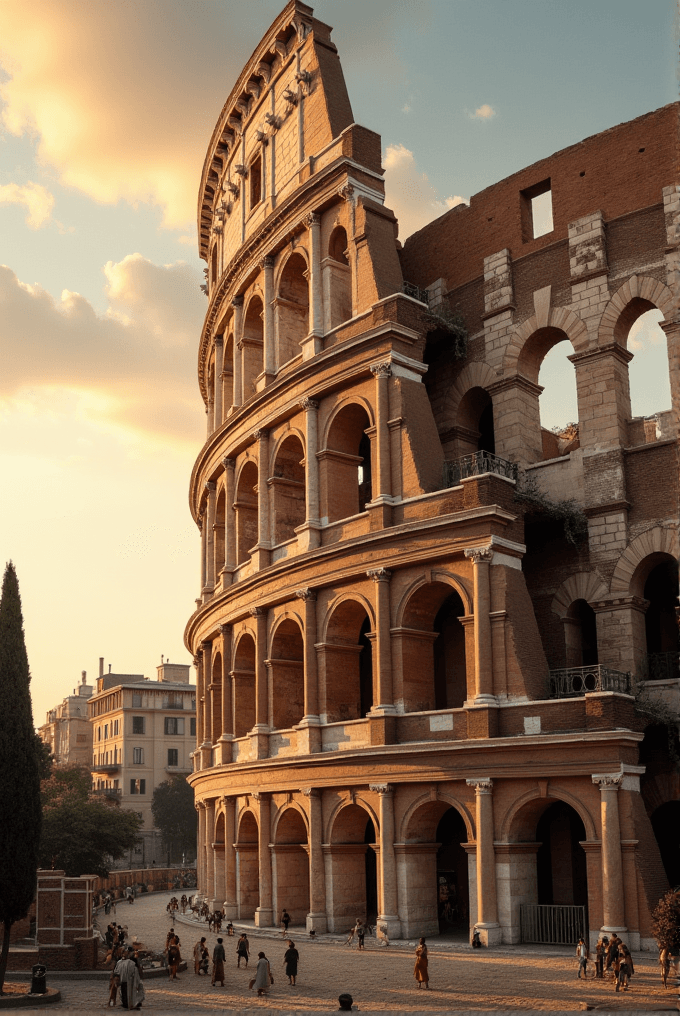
x=436, y=643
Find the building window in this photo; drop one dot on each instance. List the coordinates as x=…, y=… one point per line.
x=138, y=756
x=536, y=210
x=99, y=733
x=192, y=726
x=173, y=757
x=173, y=701
x=115, y=728
x=106, y=731
x=136, y=700
x=138, y=786
x=174, y=724
x=137, y=724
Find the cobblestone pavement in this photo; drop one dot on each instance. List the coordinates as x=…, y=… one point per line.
x=379, y=979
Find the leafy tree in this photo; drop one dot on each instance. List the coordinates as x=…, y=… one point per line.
x=666, y=921
x=174, y=815
x=20, y=766
x=80, y=832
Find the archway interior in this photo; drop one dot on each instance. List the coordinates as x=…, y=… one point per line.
x=292, y=866
x=245, y=508
x=666, y=825
x=216, y=697
x=365, y=670
x=661, y=628
x=243, y=676
x=253, y=346
x=288, y=489
x=453, y=892
x=475, y=423
x=371, y=874
x=293, y=308
x=337, y=280
x=346, y=465
x=355, y=882
x=561, y=860
x=248, y=885
x=450, y=683
x=348, y=657
x=287, y=704
x=650, y=386
x=433, y=649
x=581, y=635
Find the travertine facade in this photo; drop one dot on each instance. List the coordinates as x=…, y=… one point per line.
x=66, y=730
x=386, y=725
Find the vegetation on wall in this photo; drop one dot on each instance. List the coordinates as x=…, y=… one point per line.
x=446, y=329
x=567, y=512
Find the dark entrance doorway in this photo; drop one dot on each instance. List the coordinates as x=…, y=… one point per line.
x=453, y=894
x=371, y=875
x=561, y=860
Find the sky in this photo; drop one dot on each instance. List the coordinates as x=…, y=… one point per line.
x=106, y=109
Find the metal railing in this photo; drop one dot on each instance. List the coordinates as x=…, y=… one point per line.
x=422, y=295
x=108, y=791
x=475, y=464
x=571, y=682
x=552, y=925
x=662, y=667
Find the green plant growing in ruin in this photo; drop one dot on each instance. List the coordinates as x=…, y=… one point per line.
x=567, y=512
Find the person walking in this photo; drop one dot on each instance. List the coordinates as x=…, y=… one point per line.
x=127, y=976
x=582, y=957
x=361, y=933
x=218, y=958
x=200, y=956
x=665, y=964
x=420, y=971
x=623, y=972
x=242, y=950
x=263, y=977
x=291, y=958
x=285, y=921
x=184, y=903
x=599, y=958
x=174, y=958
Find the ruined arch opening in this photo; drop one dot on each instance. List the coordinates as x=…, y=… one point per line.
x=666, y=825
x=347, y=664
x=558, y=404
x=337, y=280
x=453, y=887
x=247, y=867
x=216, y=697
x=474, y=423
x=661, y=626
x=253, y=347
x=648, y=371
x=292, y=309
x=580, y=635
x=291, y=866
x=287, y=684
x=243, y=678
x=353, y=868
x=245, y=507
x=561, y=876
x=288, y=489
x=345, y=465
x=433, y=649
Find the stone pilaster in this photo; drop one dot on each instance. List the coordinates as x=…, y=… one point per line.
x=485, y=861
x=309, y=534
x=311, y=722
x=387, y=877
x=612, y=862
x=316, y=918
x=264, y=915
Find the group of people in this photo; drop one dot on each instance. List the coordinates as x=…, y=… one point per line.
x=263, y=978
x=612, y=956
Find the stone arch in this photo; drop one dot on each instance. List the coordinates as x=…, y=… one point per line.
x=346, y=684
x=243, y=676
x=627, y=573
x=639, y=294
x=287, y=475
x=247, y=883
x=341, y=404
x=555, y=793
x=360, y=801
x=252, y=342
x=442, y=798
x=337, y=280
x=290, y=806
x=246, y=508
x=292, y=305
x=559, y=319
x=245, y=824
x=352, y=828
x=278, y=620
x=475, y=375
x=301, y=249
x=337, y=602
x=286, y=674
x=280, y=440
x=291, y=862
x=580, y=586
x=216, y=697
x=456, y=582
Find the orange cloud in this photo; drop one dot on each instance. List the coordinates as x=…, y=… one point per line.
x=409, y=193
x=36, y=198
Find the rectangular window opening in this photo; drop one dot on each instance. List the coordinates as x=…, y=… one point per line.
x=138, y=756
x=255, y=175
x=173, y=757
x=174, y=724
x=137, y=724
x=536, y=210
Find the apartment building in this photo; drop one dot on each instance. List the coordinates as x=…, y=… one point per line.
x=67, y=730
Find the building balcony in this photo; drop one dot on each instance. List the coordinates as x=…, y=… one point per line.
x=476, y=464
x=179, y=770
x=572, y=682
x=107, y=767
x=114, y=792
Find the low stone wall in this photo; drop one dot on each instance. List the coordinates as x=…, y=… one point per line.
x=152, y=878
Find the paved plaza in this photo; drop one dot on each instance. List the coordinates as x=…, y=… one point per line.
x=379, y=979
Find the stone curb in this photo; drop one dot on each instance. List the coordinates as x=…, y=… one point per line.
x=26, y=1001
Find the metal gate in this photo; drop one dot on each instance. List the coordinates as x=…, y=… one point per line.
x=552, y=925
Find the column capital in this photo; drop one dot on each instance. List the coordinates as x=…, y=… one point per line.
x=312, y=219
x=260, y=796
x=479, y=555
x=379, y=574
x=482, y=785
x=310, y=791
x=206, y=646
x=308, y=404
x=381, y=788
x=237, y=301
x=261, y=435
x=219, y=339
x=346, y=192
x=225, y=629
x=305, y=594
x=608, y=781
x=196, y=661
x=228, y=463
x=257, y=611
x=383, y=369
x=210, y=486
x=268, y=261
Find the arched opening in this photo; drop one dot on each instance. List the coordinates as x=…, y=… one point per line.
x=288, y=489
x=580, y=635
x=253, y=347
x=353, y=886
x=346, y=661
x=216, y=697
x=219, y=535
x=287, y=685
x=292, y=309
x=650, y=388
x=247, y=867
x=666, y=826
x=435, y=870
x=219, y=858
x=255, y=176
x=561, y=860
x=345, y=465
x=474, y=424
x=558, y=401
x=661, y=626
x=337, y=280
x=243, y=677
x=245, y=507
x=213, y=265
x=228, y=376
x=433, y=651
x=291, y=866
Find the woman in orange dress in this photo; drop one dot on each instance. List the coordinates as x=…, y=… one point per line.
x=420, y=970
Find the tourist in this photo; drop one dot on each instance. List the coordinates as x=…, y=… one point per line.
x=291, y=958
x=599, y=958
x=285, y=921
x=420, y=970
x=361, y=932
x=230, y=929
x=184, y=903
x=169, y=937
x=242, y=950
x=201, y=957
x=665, y=964
x=263, y=977
x=131, y=988
x=218, y=958
x=174, y=958
x=623, y=973
x=582, y=957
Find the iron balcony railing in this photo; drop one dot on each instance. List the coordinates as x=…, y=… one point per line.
x=552, y=925
x=422, y=295
x=662, y=667
x=571, y=682
x=108, y=791
x=475, y=464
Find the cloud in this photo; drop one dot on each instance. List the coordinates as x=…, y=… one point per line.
x=133, y=367
x=121, y=98
x=485, y=112
x=37, y=199
x=409, y=193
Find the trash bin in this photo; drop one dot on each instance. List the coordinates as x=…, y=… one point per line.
x=38, y=979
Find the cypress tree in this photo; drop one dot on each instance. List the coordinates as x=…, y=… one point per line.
x=19, y=770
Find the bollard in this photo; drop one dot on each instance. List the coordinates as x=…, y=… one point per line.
x=38, y=979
